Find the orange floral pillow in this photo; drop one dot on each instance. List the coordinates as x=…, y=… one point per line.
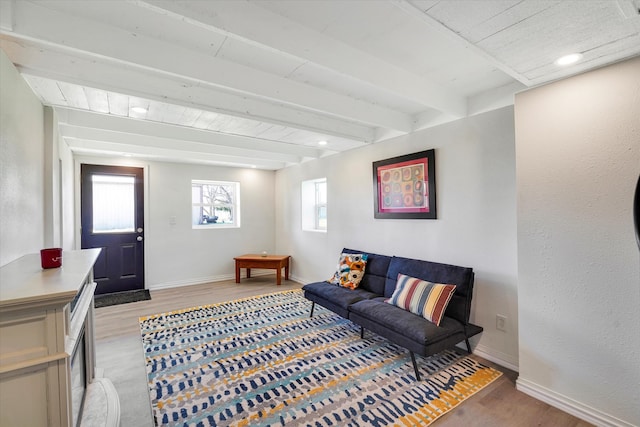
x=350, y=270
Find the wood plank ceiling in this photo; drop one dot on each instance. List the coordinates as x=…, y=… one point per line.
x=261, y=83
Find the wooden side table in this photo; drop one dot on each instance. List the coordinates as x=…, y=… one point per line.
x=276, y=262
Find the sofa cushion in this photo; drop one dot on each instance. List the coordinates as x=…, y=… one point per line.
x=337, y=295
x=350, y=270
x=376, y=272
x=405, y=323
x=423, y=298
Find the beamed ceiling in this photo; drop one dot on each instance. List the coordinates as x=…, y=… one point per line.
x=262, y=83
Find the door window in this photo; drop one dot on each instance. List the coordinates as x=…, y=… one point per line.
x=113, y=204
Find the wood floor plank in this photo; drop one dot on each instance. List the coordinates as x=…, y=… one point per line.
x=119, y=354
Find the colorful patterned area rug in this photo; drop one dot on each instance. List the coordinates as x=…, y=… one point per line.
x=263, y=362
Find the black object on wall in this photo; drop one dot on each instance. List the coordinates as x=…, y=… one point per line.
x=636, y=212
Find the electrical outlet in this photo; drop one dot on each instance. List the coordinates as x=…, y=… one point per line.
x=501, y=322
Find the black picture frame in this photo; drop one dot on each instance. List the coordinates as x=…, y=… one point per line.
x=404, y=187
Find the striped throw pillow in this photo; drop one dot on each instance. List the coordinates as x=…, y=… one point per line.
x=423, y=298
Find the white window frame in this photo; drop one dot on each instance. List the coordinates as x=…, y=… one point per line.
x=311, y=205
x=319, y=205
x=234, y=205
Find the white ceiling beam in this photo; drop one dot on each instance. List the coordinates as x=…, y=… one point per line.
x=43, y=61
x=98, y=41
x=153, y=143
x=124, y=125
x=166, y=154
x=494, y=99
x=260, y=27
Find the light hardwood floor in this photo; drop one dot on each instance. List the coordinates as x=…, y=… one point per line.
x=119, y=354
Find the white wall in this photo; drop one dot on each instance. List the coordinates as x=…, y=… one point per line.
x=67, y=197
x=476, y=225
x=52, y=180
x=578, y=159
x=178, y=255
x=21, y=166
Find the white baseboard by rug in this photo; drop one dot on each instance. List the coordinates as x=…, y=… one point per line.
x=299, y=280
x=496, y=357
x=209, y=279
x=566, y=404
x=189, y=282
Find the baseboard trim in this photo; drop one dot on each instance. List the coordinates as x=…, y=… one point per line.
x=189, y=282
x=566, y=404
x=209, y=279
x=298, y=279
x=496, y=357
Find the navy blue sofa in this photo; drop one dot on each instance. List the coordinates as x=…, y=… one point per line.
x=366, y=306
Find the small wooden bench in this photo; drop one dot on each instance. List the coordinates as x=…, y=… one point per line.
x=276, y=262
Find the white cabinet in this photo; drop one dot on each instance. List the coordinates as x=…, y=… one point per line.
x=39, y=335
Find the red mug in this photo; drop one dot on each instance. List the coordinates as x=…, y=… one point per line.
x=51, y=257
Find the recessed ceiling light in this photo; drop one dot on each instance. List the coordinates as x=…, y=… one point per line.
x=138, y=109
x=568, y=59
x=322, y=142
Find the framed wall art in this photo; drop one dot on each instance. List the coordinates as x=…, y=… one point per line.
x=404, y=187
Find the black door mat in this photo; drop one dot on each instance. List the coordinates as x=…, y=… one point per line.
x=106, y=300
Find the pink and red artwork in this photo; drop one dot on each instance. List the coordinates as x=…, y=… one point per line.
x=405, y=186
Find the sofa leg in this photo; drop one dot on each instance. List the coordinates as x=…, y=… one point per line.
x=313, y=305
x=415, y=365
x=361, y=332
x=466, y=340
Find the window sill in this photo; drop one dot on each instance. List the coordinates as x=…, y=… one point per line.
x=313, y=230
x=213, y=226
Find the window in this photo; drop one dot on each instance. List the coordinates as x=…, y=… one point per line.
x=113, y=203
x=321, y=205
x=314, y=205
x=215, y=204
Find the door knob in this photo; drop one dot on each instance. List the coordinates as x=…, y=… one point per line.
x=139, y=238
x=139, y=230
